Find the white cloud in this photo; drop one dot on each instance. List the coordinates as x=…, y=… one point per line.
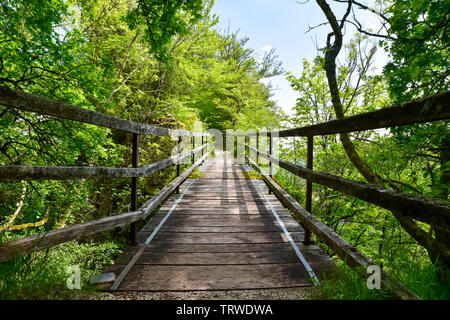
x=266, y=48
x=263, y=51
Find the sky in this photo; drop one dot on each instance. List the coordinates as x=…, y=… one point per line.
x=283, y=25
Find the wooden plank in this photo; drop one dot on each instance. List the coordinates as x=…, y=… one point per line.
x=211, y=258
x=21, y=172
x=220, y=222
x=217, y=247
x=219, y=229
x=229, y=214
x=232, y=209
x=212, y=237
x=225, y=277
x=23, y=246
x=228, y=196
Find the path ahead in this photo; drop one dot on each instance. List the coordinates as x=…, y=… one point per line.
x=220, y=233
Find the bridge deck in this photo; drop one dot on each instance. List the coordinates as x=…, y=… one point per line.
x=220, y=233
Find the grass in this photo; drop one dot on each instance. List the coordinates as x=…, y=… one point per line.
x=422, y=280
x=196, y=174
x=43, y=275
x=351, y=284
x=348, y=285
x=252, y=174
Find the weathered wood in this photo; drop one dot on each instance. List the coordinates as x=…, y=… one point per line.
x=218, y=247
x=26, y=245
x=338, y=245
x=434, y=212
x=220, y=229
x=211, y=258
x=214, y=237
x=226, y=277
x=308, y=191
x=134, y=186
x=243, y=217
x=102, y=278
x=30, y=102
x=432, y=108
x=238, y=213
x=19, y=172
x=215, y=231
x=187, y=220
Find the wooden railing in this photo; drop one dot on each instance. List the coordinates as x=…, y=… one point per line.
x=430, y=211
x=29, y=102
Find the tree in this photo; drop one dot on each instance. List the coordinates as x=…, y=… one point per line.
x=434, y=247
x=163, y=20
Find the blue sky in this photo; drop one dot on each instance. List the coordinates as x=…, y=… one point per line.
x=281, y=24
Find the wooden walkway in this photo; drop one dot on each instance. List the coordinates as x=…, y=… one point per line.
x=222, y=232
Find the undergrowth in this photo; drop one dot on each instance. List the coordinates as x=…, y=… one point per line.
x=44, y=274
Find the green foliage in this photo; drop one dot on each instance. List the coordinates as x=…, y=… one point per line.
x=420, y=53
x=420, y=66
x=150, y=61
x=163, y=19
x=43, y=275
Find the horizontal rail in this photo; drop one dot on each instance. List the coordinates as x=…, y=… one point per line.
x=30, y=102
x=20, y=172
x=336, y=243
x=26, y=245
x=432, y=108
x=434, y=212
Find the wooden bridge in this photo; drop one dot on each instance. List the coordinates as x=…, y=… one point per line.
x=223, y=231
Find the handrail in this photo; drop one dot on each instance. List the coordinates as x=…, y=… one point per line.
x=21, y=172
x=433, y=212
x=30, y=102
x=432, y=108
x=26, y=245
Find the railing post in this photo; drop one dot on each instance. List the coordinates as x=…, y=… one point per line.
x=193, y=147
x=270, y=161
x=308, y=196
x=246, y=148
x=203, y=150
x=235, y=146
x=257, y=147
x=179, y=163
x=134, y=191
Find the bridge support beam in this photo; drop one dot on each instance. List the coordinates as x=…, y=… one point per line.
x=308, y=195
x=193, y=147
x=177, y=190
x=270, y=161
x=134, y=187
x=246, y=149
x=257, y=147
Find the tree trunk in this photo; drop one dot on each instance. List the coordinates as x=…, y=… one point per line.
x=444, y=182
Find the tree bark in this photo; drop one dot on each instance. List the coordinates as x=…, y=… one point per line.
x=444, y=182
